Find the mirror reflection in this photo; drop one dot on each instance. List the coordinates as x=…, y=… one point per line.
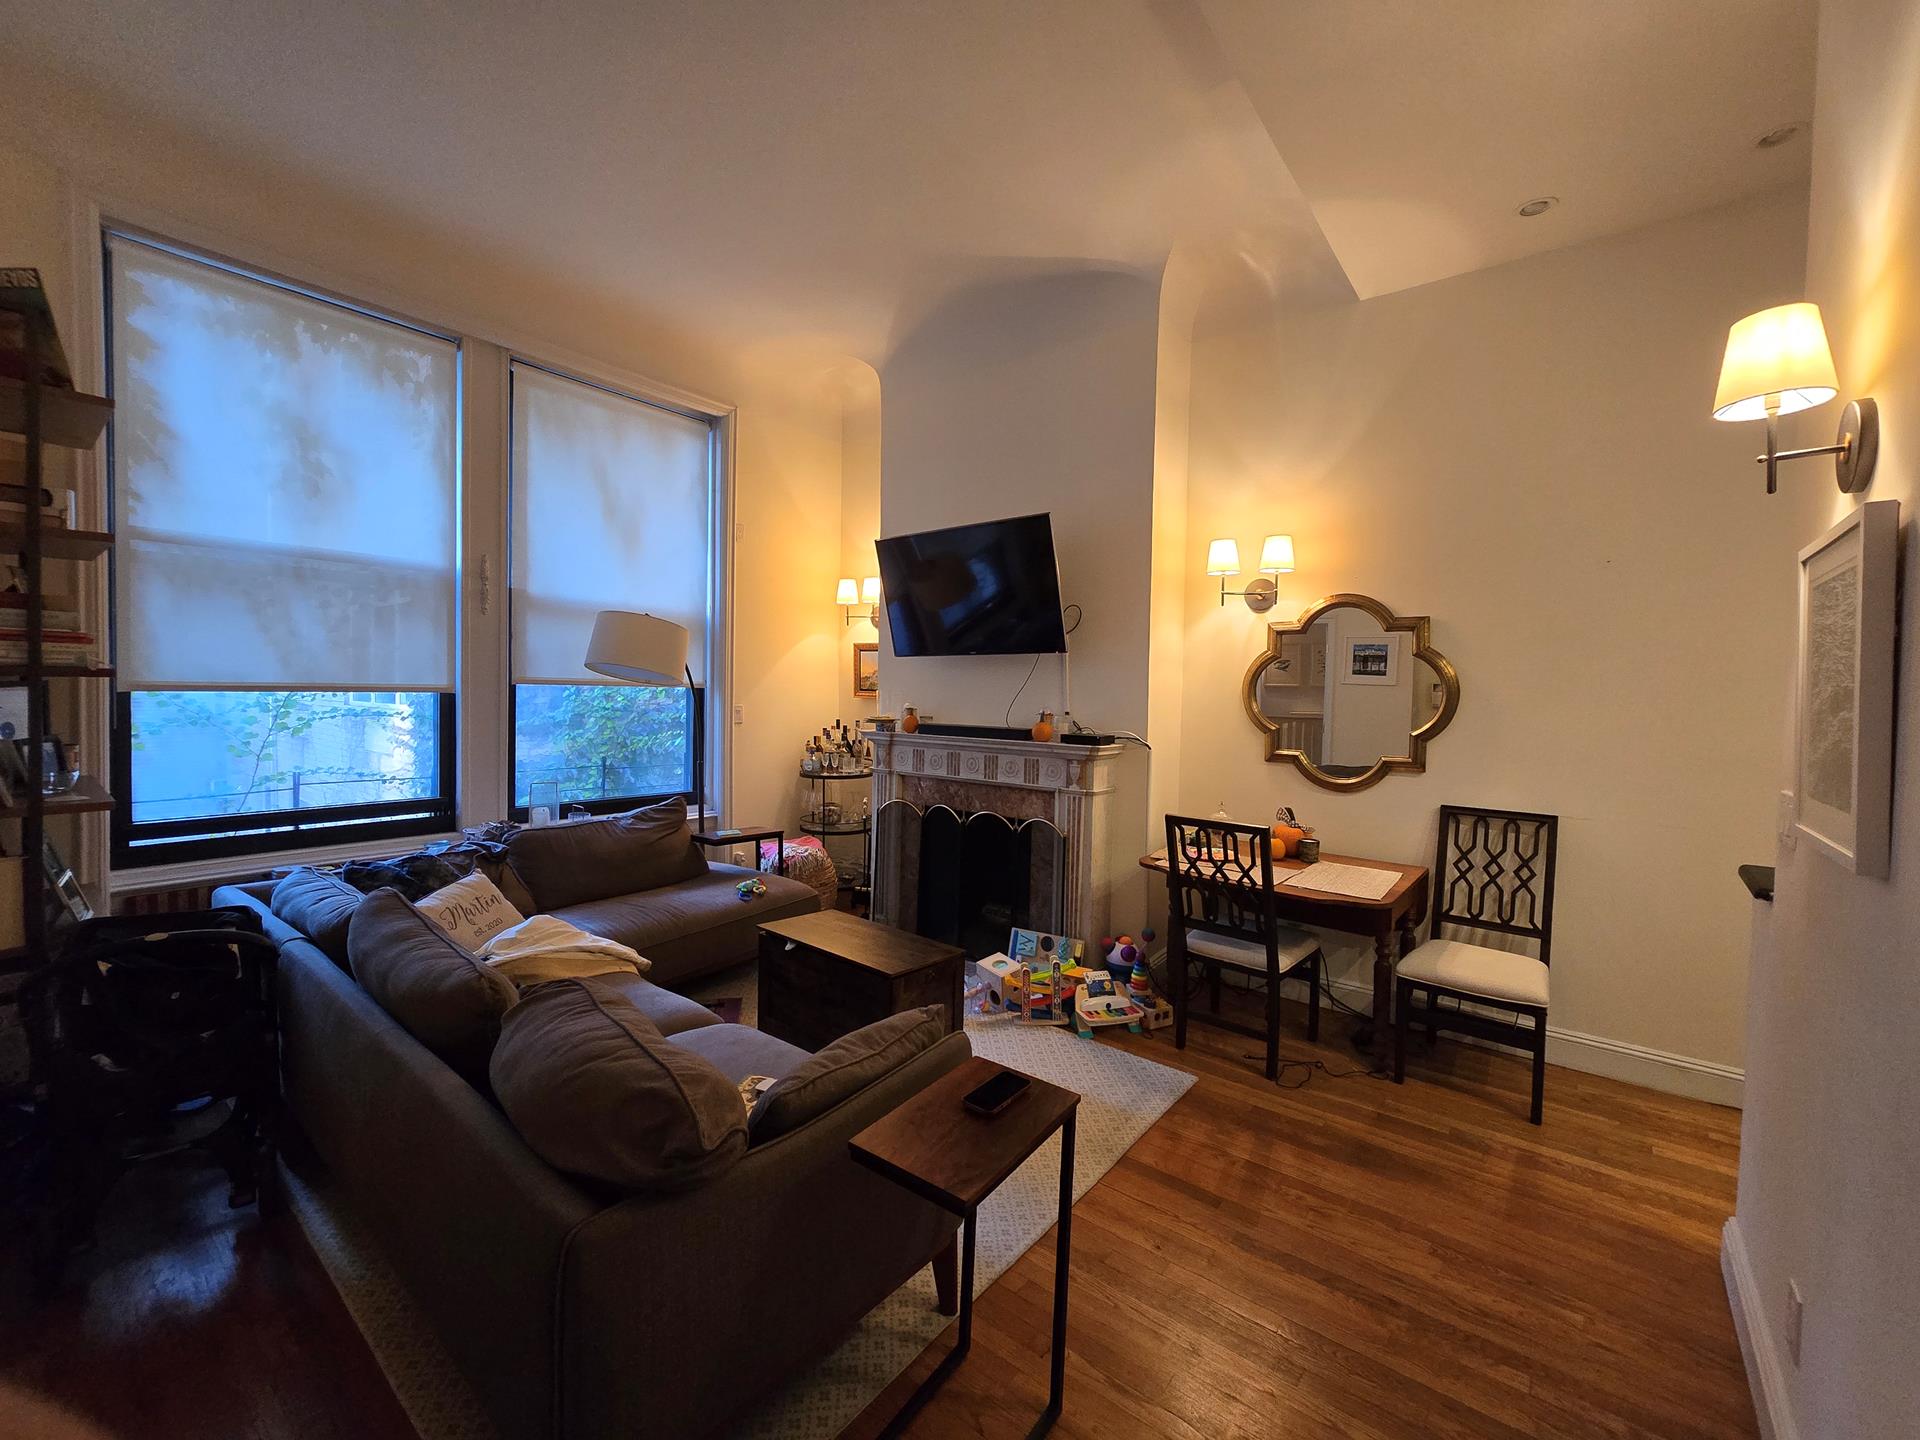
x=1351, y=692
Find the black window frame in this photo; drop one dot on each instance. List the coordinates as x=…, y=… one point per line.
x=262, y=832
x=612, y=804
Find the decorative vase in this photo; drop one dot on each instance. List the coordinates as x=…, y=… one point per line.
x=909, y=719
x=1043, y=727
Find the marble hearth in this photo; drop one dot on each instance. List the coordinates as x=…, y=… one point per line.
x=1069, y=786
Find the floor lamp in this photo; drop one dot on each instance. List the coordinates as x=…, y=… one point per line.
x=646, y=650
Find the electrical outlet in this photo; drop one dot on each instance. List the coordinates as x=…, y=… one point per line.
x=1789, y=813
x=1796, y=1317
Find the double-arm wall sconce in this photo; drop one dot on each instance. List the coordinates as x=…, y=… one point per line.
x=1778, y=362
x=850, y=597
x=1276, y=558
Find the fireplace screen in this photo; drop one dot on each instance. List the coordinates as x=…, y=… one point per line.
x=966, y=879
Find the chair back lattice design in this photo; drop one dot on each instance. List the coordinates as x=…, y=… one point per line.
x=1220, y=875
x=1493, y=870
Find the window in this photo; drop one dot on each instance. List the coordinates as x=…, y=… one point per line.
x=284, y=487
x=611, y=510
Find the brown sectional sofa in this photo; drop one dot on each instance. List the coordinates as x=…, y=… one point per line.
x=573, y=1309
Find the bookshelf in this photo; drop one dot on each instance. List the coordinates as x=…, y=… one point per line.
x=40, y=407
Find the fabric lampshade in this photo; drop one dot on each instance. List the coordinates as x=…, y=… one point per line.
x=1223, y=558
x=870, y=590
x=846, y=593
x=1780, y=352
x=1276, y=555
x=642, y=649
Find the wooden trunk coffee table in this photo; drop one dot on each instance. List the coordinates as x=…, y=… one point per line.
x=826, y=974
x=941, y=1151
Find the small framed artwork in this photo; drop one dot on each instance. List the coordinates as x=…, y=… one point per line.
x=866, y=667
x=1844, y=688
x=1372, y=661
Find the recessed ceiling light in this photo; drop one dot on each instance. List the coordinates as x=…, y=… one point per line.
x=1779, y=135
x=1538, y=207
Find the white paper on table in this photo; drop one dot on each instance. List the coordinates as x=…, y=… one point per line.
x=1359, y=882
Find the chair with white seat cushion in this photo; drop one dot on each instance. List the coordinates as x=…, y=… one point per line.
x=1221, y=915
x=1492, y=872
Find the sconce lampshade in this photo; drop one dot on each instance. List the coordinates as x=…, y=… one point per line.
x=847, y=594
x=870, y=590
x=641, y=648
x=1223, y=558
x=1276, y=555
x=1780, y=352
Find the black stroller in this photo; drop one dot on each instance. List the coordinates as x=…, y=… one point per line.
x=141, y=1027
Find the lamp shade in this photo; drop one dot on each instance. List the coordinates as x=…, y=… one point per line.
x=1780, y=352
x=847, y=593
x=1276, y=555
x=870, y=590
x=642, y=648
x=1223, y=558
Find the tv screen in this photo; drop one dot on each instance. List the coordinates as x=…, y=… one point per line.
x=987, y=589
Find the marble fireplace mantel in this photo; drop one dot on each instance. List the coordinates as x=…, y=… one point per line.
x=1070, y=786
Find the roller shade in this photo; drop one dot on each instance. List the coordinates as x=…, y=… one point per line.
x=285, y=486
x=611, y=511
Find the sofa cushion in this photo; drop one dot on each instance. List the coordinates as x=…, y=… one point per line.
x=596, y=1090
x=442, y=995
x=320, y=906
x=672, y=1014
x=472, y=910
x=696, y=926
x=583, y=860
x=738, y=1051
x=845, y=1068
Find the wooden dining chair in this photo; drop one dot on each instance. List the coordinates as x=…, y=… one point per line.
x=1220, y=913
x=1492, y=872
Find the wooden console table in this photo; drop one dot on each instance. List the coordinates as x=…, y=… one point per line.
x=1394, y=917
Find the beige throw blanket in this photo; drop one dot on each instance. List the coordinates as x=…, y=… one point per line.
x=541, y=948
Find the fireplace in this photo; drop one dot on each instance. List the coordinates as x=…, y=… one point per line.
x=974, y=836
x=968, y=879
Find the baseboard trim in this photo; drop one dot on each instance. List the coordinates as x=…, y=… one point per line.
x=1616, y=1059
x=1766, y=1376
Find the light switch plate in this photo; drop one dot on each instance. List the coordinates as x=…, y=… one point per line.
x=1789, y=815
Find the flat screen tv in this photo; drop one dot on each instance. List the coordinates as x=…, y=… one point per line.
x=986, y=589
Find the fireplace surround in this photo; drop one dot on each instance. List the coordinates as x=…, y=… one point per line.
x=1068, y=787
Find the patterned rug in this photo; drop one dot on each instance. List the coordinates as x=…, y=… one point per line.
x=1123, y=1095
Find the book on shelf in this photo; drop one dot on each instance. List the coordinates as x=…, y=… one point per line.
x=24, y=307
x=49, y=634
x=13, y=622
x=56, y=510
x=13, y=656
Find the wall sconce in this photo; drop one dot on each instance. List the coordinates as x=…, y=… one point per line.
x=1276, y=558
x=1777, y=362
x=848, y=596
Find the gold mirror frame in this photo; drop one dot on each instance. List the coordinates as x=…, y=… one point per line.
x=1414, y=762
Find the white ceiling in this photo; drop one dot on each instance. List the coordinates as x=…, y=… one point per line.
x=784, y=169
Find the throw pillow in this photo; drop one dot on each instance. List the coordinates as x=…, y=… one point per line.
x=583, y=860
x=442, y=995
x=320, y=906
x=543, y=948
x=845, y=1068
x=595, y=1090
x=472, y=910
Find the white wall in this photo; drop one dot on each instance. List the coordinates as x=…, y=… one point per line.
x=788, y=639
x=859, y=517
x=1830, y=1141
x=1526, y=455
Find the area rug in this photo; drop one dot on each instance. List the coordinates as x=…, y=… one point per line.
x=1123, y=1095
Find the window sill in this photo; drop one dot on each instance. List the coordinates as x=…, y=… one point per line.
x=227, y=868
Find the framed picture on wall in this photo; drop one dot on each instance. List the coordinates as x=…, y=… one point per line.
x=1843, y=703
x=1371, y=660
x=866, y=667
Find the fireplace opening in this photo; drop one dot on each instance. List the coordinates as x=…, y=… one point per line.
x=967, y=879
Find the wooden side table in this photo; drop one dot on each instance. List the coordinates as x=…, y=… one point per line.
x=719, y=839
x=941, y=1151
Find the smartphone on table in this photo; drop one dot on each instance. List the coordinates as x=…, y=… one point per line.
x=993, y=1095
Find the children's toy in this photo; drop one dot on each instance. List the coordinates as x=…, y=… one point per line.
x=1038, y=948
x=747, y=889
x=1100, y=1003
x=1005, y=982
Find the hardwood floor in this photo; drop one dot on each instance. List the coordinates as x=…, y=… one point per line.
x=1346, y=1259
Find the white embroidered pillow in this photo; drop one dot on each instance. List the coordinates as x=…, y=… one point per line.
x=472, y=910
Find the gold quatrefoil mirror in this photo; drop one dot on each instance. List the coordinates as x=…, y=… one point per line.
x=1351, y=692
